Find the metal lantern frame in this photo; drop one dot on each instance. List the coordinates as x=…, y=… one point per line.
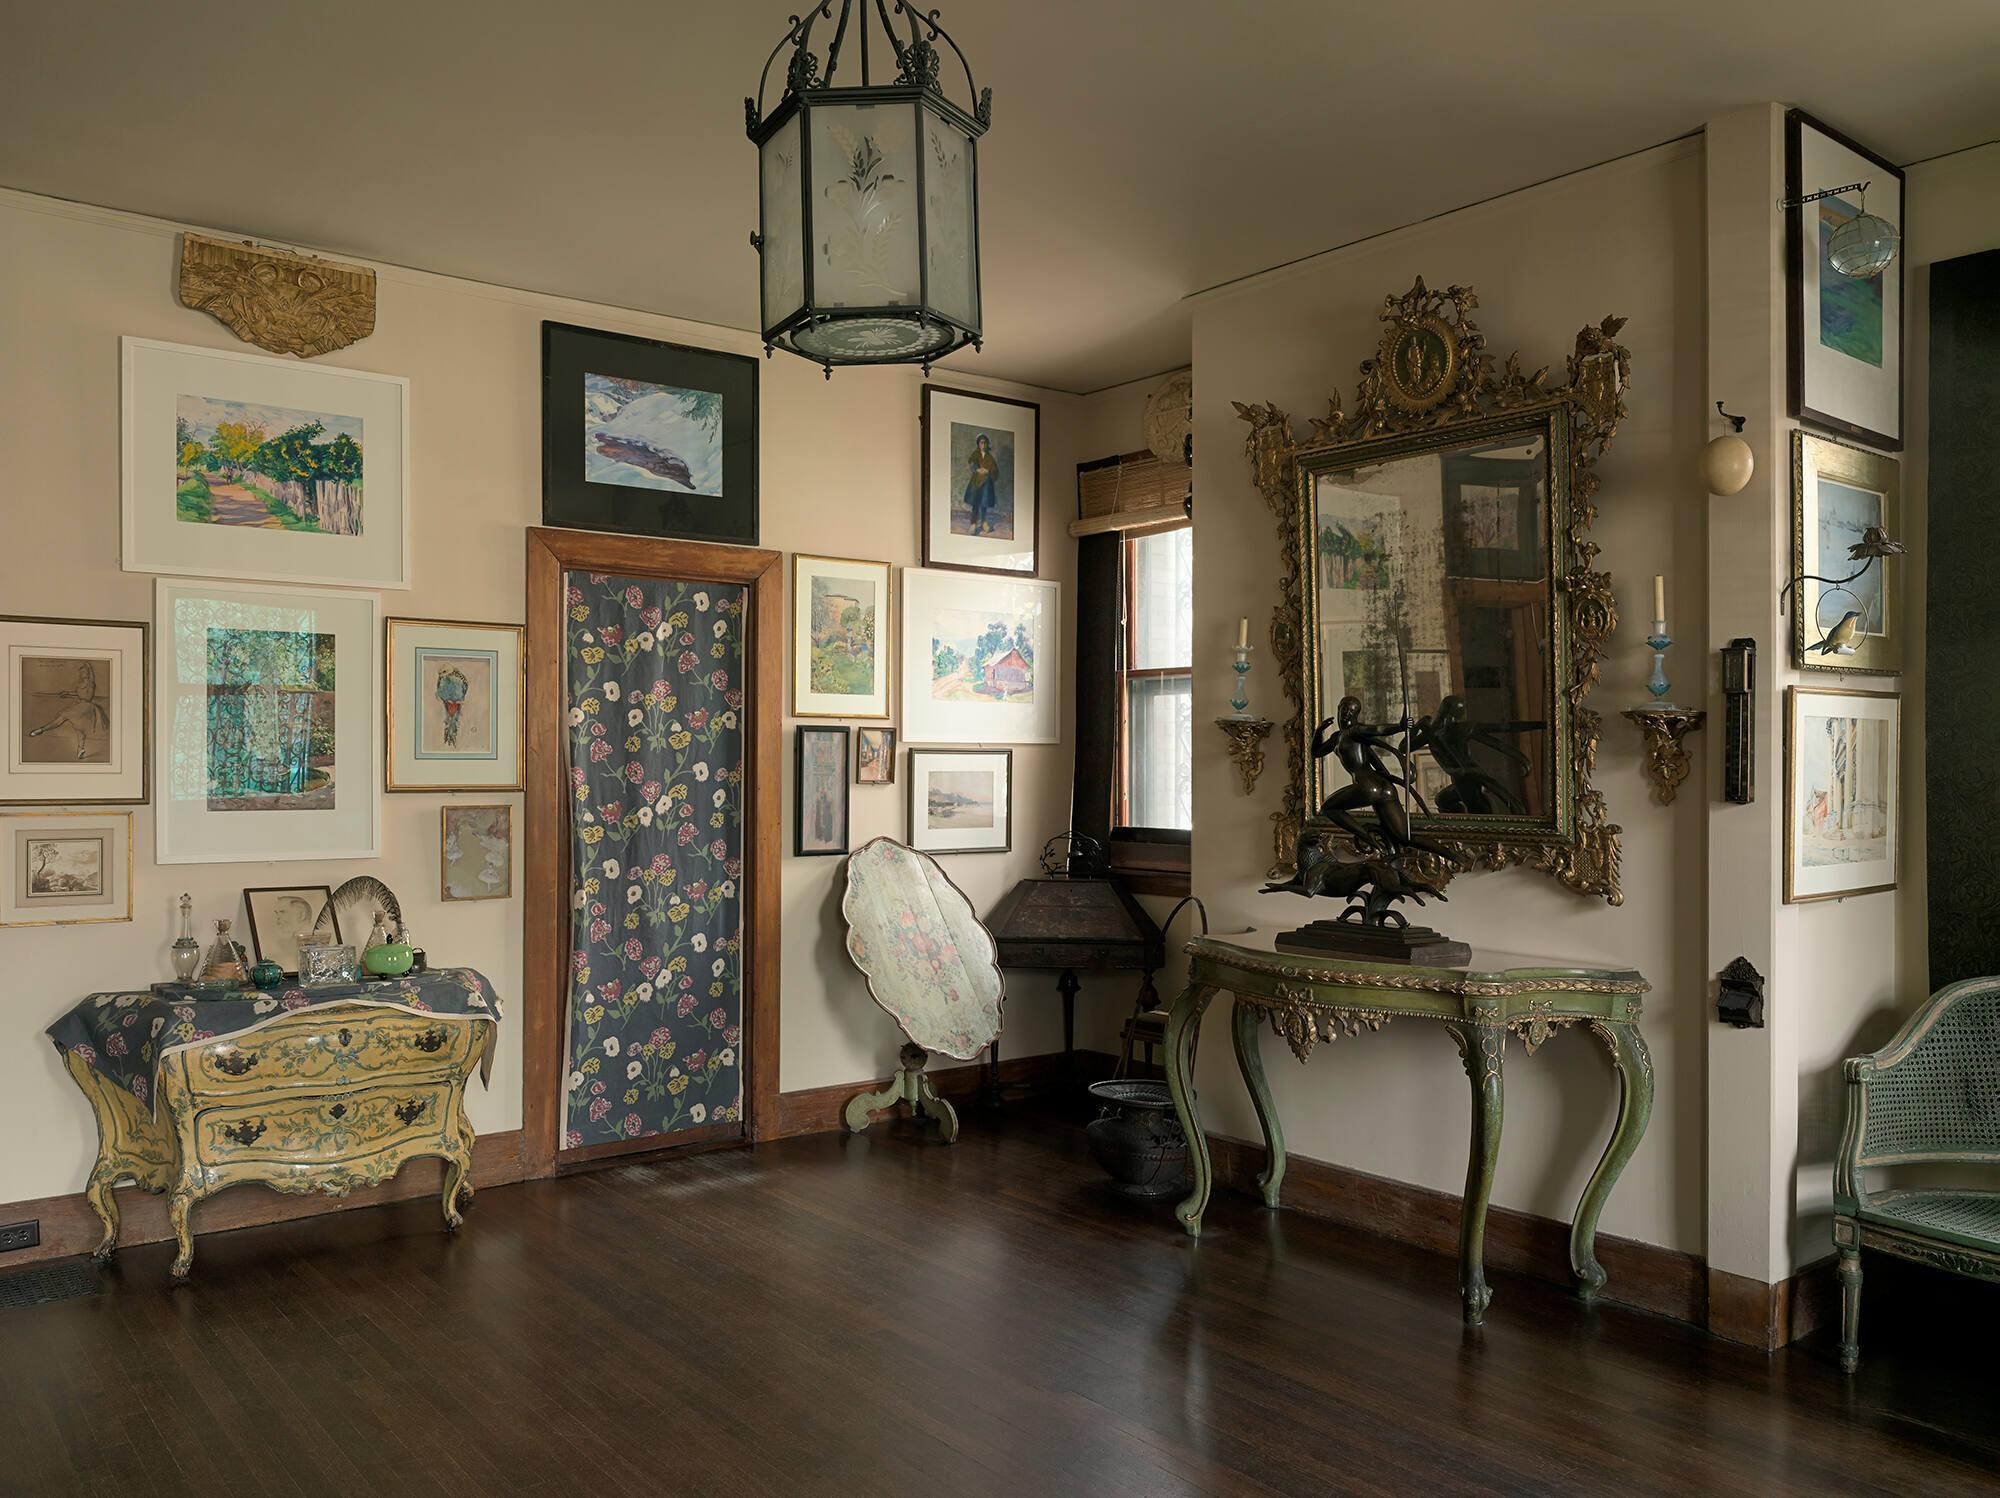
x=916, y=87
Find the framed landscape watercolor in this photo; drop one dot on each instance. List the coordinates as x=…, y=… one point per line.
x=1843, y=756
x=982, y=482
x=476, y=853
x=981, y=664
x=65, y=868
x=1845, y=362
x=265, y=706
x=819, y=764
x=454, y=695
x=76, y=713
x=285, y=916
x=1838, y=494
x=840, y=638
x=238, y=465
x=650, y=438
x=962, y=801
x=874, y=756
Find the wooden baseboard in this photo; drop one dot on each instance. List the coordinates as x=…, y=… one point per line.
x=1769, y=1316
x=816, y=1110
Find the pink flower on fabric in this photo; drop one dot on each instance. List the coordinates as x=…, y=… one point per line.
x=573, y=1138
x=114, y=1043
x=597, y=730
x=139, y=1088
x=633, y=1124
x=634, y=771
x=688, y=832
x=718, y=678
x=650, y=791
x=598, y=1108
x=732, y=1034
x=634, y=597
x=577, y=775
x=611, y=811
x=718, y=848
x=734, y=697
x=698, y=719
x=650, y=967
x=687, y=1003
x=294, y=1000
x=732, y=867
x=661, y=864
x=634, y=949
x=573, y=594
x=612, y=990
x=599, y=930
x=611, y=634
x=87, y=1052
x=661, y=690
x=718, y=1016
x=686, y=638
x=599, y=752
x=687, y=662
x=698, y=889
x=598, y=577
x=650, y=617
x=660, y=1037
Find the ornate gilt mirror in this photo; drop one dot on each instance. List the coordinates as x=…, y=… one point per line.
x=1439, y=573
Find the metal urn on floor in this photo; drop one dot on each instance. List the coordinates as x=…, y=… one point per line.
x=1138, y=1140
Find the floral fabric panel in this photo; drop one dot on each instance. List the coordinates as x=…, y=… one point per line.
x=929, y=959
x=655, y=701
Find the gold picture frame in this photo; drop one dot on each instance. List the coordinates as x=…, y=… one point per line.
x=1860, y=774
x=1839, y=491
x=446, y=813
x=507, y=695
x=872, y=706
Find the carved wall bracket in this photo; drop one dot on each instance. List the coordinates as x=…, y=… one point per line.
x=1246, y=746
x=1667, y=762
x=289, y=304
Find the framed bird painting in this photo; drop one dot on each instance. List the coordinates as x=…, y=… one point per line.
x=1847, y=590
x=454, y=719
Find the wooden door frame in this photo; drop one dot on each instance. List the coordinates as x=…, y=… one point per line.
x=545, y=845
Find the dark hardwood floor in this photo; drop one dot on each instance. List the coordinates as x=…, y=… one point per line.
x=882, y=1314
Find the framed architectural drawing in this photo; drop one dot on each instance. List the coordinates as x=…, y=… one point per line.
x=982, y=482
x=1843, y=754
x=1839, y=493
x=840, y=637
x=652, y=438
x=819, y=780
x=962, y=801
x=65, y=868
x=981, y=662
x=476, y=853
x=1846, y=332
x=238, y=465
x=76, y=712
x=265, y=706
x=454, y=696
x=283, y=916
x=874, y=756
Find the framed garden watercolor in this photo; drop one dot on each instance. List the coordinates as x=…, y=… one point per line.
x=65, y=868
x=75, y=714
x=1843, y=825
x=1839, y=493
x=238, y=465
x=1845, y=362
x=962, y=801
x=819, y=780
x=981, y=662
x=650, y=438
x=840, y=638
x=265, y=706
x=454, y=694
x=476, y=853
x=982, y=482
x=283, y=917
x=874, y=756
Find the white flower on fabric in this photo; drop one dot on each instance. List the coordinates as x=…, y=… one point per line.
x=611, y=1045
x=728, y=719
x=664, y=805
x=575, y=1080
x=726, y=889
x=701, y=602
x=727, y=1055
x=576, y=901
x=611, y=691
x=721, y=795
x=589, y=638
x=701, y=770
x=576, y=717
x=643, y=992
x=721, y=628
x=701, y=941
x=632, y=894
x=720, y=964
x=645, y=816
x=632, y=1070
x=610, y=868
x=698, y=1112
x=634, y=718
x=644, y=640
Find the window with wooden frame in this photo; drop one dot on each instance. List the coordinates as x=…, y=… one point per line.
x=1154, y=782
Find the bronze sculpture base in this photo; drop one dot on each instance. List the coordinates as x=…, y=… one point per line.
x=1418, y=946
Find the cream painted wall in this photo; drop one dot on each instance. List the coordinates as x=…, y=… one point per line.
x=1626, y=239
x=840, y=477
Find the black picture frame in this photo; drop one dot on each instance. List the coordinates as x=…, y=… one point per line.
x=1029, y=481
x=915, y=830
x=323, y=891
x=571, y=499
x=1527, y=559
x=840, y=783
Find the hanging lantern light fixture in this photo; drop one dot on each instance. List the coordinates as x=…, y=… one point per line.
x=1861, y=247
x=868, y=192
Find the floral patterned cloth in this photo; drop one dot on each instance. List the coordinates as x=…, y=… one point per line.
x=928, y=958
x=655, y=1029
x=126, y=1036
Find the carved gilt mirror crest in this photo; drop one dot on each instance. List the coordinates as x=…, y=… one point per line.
x=1438, y=569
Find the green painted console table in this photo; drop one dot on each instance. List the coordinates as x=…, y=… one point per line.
x=1312, y=997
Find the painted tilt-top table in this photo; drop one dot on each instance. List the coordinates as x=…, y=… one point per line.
x=1312, y=997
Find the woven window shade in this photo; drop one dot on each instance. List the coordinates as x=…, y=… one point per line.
x=1130, y=493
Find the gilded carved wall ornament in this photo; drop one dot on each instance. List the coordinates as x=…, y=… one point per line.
x=286, y=303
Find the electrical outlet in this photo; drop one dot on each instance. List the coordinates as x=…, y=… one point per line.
x=20, y=1235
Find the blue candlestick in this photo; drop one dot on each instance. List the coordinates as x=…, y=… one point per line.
x=1657, y=683
x=1241, y=666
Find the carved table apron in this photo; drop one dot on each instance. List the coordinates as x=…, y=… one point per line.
x=1311, y=997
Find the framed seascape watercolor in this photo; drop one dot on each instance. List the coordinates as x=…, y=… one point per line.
x=76, y=713
x=962, y=801
x=980, y=659
x=65, y=868
x=237, y=465
x=476, y=853
x=651, y=438
x=840, y=638
x=454, y=694
x=1845, y=362
x=1843, y=756
x=265, y=706
x=1838, y=494
x=282, y=917
x=820, y=786
x=982, y=482
x=874, y=756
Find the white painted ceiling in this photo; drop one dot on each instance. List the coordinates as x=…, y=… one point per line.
x=1139, y=151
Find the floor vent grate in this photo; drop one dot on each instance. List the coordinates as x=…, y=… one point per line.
x=65, y=1280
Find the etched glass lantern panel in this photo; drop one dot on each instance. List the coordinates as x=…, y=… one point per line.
x=864, y=216
x=783, y=251
x=951, y=243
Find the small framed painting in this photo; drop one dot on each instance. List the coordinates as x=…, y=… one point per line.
x=840, y=638
x=962, y=801
x=820, y=786
x=981, y=663
x=982, y=482
x=65, y=868
x=76, y=714
x=874, y=756
x=454, y=694
x=1843, y=757
x=1846, y=332
x=237, y=465
x=476, y=853
x=283, y=916
x=650, y=438
x=1845, y=617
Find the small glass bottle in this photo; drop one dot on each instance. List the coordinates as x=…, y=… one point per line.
x=186, y=950
x=223, y=967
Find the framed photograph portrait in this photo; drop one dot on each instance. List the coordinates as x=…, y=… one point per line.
x=982, y=507
x=239, y=465
x=962, y=801
x=840, y=637
x=1843, y=757
x=650, y=438
x=1838, y=494
x=476, y=853
x=454, y=693
x=820, y=807
x=65, y=868
x=76, y=712
x=1846, y=333
x=283, y=916
x=874, y=756
x=981, y=662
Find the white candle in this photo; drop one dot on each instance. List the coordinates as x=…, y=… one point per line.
x=1659, y=597
x=1242, y=633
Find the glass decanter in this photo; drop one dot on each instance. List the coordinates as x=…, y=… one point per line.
x=186, y=950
